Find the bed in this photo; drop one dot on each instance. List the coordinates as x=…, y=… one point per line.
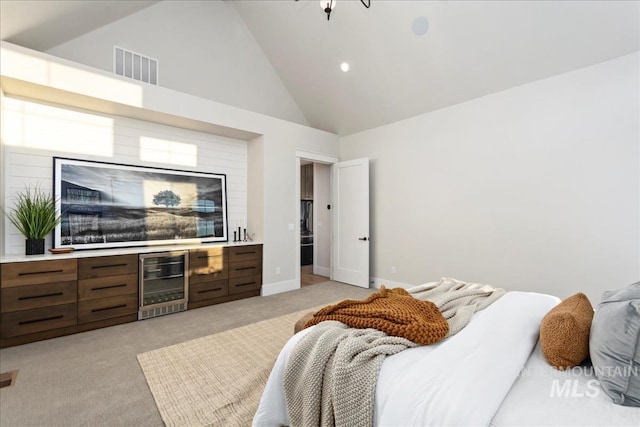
x=492, y=372
x=543, y=396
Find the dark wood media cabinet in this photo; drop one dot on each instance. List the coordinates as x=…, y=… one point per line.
x=51, y=298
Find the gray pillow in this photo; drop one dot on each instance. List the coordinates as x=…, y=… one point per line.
x=614, y=344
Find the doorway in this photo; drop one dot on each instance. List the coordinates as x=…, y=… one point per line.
x=343, y=231
x=314, y=217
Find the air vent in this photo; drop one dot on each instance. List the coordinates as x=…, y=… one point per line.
x=135, y=66
x=8, y=379
x=160, y=311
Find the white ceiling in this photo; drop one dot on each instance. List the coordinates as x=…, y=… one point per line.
x=472, y=48
x=43, y=24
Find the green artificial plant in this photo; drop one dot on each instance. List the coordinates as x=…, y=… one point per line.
x=34, y=214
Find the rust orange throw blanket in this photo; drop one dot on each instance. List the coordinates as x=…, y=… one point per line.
x=392, y=311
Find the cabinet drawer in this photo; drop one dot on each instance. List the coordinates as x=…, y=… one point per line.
x=37, y=296
x=110, y=286
x=37, y=272
x=206, y=265
x=107, y=308
x=243, y=253
x=37, y=320
x=207, y=290
x=245, y=268
x=239, y=285
x=107, y=266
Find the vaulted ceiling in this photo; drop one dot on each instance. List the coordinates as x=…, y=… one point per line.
x=469, y=49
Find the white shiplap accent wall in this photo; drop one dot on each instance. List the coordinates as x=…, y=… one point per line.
x=33, y=133
x=3, y=170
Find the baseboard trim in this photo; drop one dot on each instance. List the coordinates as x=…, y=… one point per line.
x=322, y=271
x=279, y=287
x=292, y=285
x=377, y=282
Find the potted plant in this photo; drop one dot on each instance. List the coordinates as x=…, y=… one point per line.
x=34, y=215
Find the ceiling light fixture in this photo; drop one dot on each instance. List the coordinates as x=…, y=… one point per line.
x=329, y=5
x=344, y=66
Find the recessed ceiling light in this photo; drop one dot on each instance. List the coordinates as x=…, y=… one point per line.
x=420, y=26
x=344, y=66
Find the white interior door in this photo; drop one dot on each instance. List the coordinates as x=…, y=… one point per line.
x=350, y=222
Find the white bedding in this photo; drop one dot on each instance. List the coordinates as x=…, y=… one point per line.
x=544, y=396
x=459, y=381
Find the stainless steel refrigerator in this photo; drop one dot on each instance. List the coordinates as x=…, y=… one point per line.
x=306, y=232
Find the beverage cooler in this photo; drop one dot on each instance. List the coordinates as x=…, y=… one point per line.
x=164, y=286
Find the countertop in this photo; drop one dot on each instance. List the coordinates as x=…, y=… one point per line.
x=117, y=251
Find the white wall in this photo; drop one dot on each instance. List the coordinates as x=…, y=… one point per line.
x=204, y=48
x=269, y=187
x=533, y=188
x=255, y=197
x=34, y=132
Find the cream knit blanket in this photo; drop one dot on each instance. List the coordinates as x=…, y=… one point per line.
x=331, y=375
x=457, y=300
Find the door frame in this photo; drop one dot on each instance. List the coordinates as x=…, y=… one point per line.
x=315, y=158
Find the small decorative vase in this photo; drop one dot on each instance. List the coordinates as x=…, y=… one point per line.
x=34, y=246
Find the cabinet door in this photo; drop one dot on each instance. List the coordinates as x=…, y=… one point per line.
x=37, y=320
x=36, y=296
x=309, y=182
x=108, y=286
x=102, y=266
x=206, y=265
x=239, y=285
x=38, y=272
x=306, y=182
x=107, y=308
x=306, y=254
x=303, y=182
x=208, y=290
x=250, y=267
x=245, y=253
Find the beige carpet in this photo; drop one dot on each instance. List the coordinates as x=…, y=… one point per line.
x=216, y=380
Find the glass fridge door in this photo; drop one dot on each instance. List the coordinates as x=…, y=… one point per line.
x=163, y=279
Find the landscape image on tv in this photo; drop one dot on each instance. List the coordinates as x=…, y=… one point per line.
x=106, y=204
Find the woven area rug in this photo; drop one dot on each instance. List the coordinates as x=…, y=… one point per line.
x=216, y=380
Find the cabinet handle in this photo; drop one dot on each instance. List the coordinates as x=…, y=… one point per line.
x=245, y=253
x=207, y=273
x=99, y=288
x=54, y=294
x=40, y=272
x=246, y=268
x=46, y=319
x=95, y=310
x=108, y=265
x=210, y=290
x=245, y=284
